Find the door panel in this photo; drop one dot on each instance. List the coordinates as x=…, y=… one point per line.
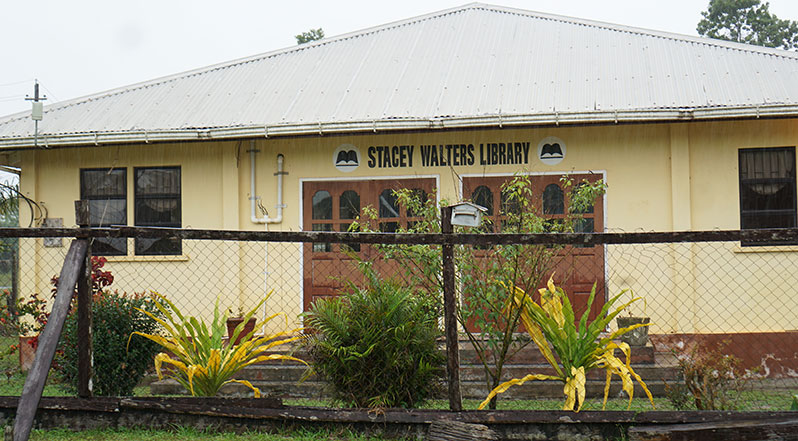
x=329, y=267
x=576, y=268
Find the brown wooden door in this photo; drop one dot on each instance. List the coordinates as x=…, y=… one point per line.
x=576, y=268
x=333, y=206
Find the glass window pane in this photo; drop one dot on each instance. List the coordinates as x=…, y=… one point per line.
x=553, y=202
x=389, y=227
x=767, y=163
x=158, y=204
x=584, y=225
x=579, y=210
x=775, y=220
x=420, y=196
x=510, y=203
x=484, y=197
x=388, y=204
x=767, y=196
x=322, y=247
x=106, y=192
x=101, y=246
x=105, y=212
x=99, y=183
x=322, y=205
x=345, y=228
x=553, y=226
x=157, y=181
x=349, y=205
x=158, y=212
x=767, y=189
x=158, y=247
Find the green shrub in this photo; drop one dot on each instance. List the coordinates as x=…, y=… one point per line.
x=376, y=346
x=117, y=367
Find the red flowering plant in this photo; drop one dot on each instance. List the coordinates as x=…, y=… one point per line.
x=99, y=279
x=29, y=316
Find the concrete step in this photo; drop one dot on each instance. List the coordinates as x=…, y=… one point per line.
x=527, y=355
x=284, y=381
x=469, y=389
x=281, y=378
x=294, y=372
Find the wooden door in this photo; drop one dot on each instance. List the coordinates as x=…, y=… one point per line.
x=576, y=268
x=333, y=206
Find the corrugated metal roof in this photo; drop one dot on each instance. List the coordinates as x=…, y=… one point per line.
x=476, y=65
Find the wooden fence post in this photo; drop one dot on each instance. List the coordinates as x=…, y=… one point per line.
x=48, y=340
x=85, y=350
x=450, y=319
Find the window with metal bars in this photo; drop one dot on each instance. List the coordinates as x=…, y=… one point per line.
x=157, y=204
x=767, y=190
x=106, y=191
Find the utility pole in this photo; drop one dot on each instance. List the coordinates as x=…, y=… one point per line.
x=37, y=112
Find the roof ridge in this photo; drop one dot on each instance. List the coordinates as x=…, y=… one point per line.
x=643, y=31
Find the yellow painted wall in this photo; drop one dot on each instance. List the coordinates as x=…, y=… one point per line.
x=661, y=177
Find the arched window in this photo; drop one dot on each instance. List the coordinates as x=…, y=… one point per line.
x=389, y=208
x=553, y=201
x=322, y=210
x=349, y=206
x=322, y=205
x=484, y=197
x=510, y=203
x=420, y=196
x=580, y=209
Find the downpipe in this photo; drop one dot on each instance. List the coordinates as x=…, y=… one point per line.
x=265, y=220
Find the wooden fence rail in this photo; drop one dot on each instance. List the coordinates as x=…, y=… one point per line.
x=785, y=235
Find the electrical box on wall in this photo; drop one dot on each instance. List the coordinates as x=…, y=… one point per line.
x=53, y=222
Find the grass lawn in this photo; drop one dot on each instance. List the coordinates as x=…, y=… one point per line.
x=774, y=400
x=184, y=434
x=11, y=384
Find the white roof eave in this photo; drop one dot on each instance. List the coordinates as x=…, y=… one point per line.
x=389, y=125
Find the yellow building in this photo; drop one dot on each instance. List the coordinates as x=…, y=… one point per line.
x=689, y=134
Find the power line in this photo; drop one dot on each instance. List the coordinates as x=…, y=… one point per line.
x=52, y=95
x=16, y=82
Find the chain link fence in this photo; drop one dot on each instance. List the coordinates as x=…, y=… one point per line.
x=713, y=294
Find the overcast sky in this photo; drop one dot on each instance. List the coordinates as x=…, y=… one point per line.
x=80, y=47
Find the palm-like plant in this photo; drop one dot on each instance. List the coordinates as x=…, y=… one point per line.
x=202, y=361
x=551, y=324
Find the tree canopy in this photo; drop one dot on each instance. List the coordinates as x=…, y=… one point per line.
x=311, y=35
x=747, y=21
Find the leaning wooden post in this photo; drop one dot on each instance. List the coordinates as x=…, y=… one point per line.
x=450, y=319
x=48, y=340
x=85, y=350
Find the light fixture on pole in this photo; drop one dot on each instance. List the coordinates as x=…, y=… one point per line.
x=37, y=112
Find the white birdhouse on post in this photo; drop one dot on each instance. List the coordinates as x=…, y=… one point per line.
x=467, y=214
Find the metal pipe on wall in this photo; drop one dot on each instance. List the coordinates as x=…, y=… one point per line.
x=266, y=220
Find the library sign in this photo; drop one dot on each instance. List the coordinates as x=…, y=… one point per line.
x=347, y=157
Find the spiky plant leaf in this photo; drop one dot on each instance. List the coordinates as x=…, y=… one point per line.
x=202, y=362
x=552, y=326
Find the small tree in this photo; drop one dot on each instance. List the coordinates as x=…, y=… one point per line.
x=311, y=35
x=747, y=21
x=487, y=275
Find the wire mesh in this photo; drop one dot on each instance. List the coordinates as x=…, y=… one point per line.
x=722, y=298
